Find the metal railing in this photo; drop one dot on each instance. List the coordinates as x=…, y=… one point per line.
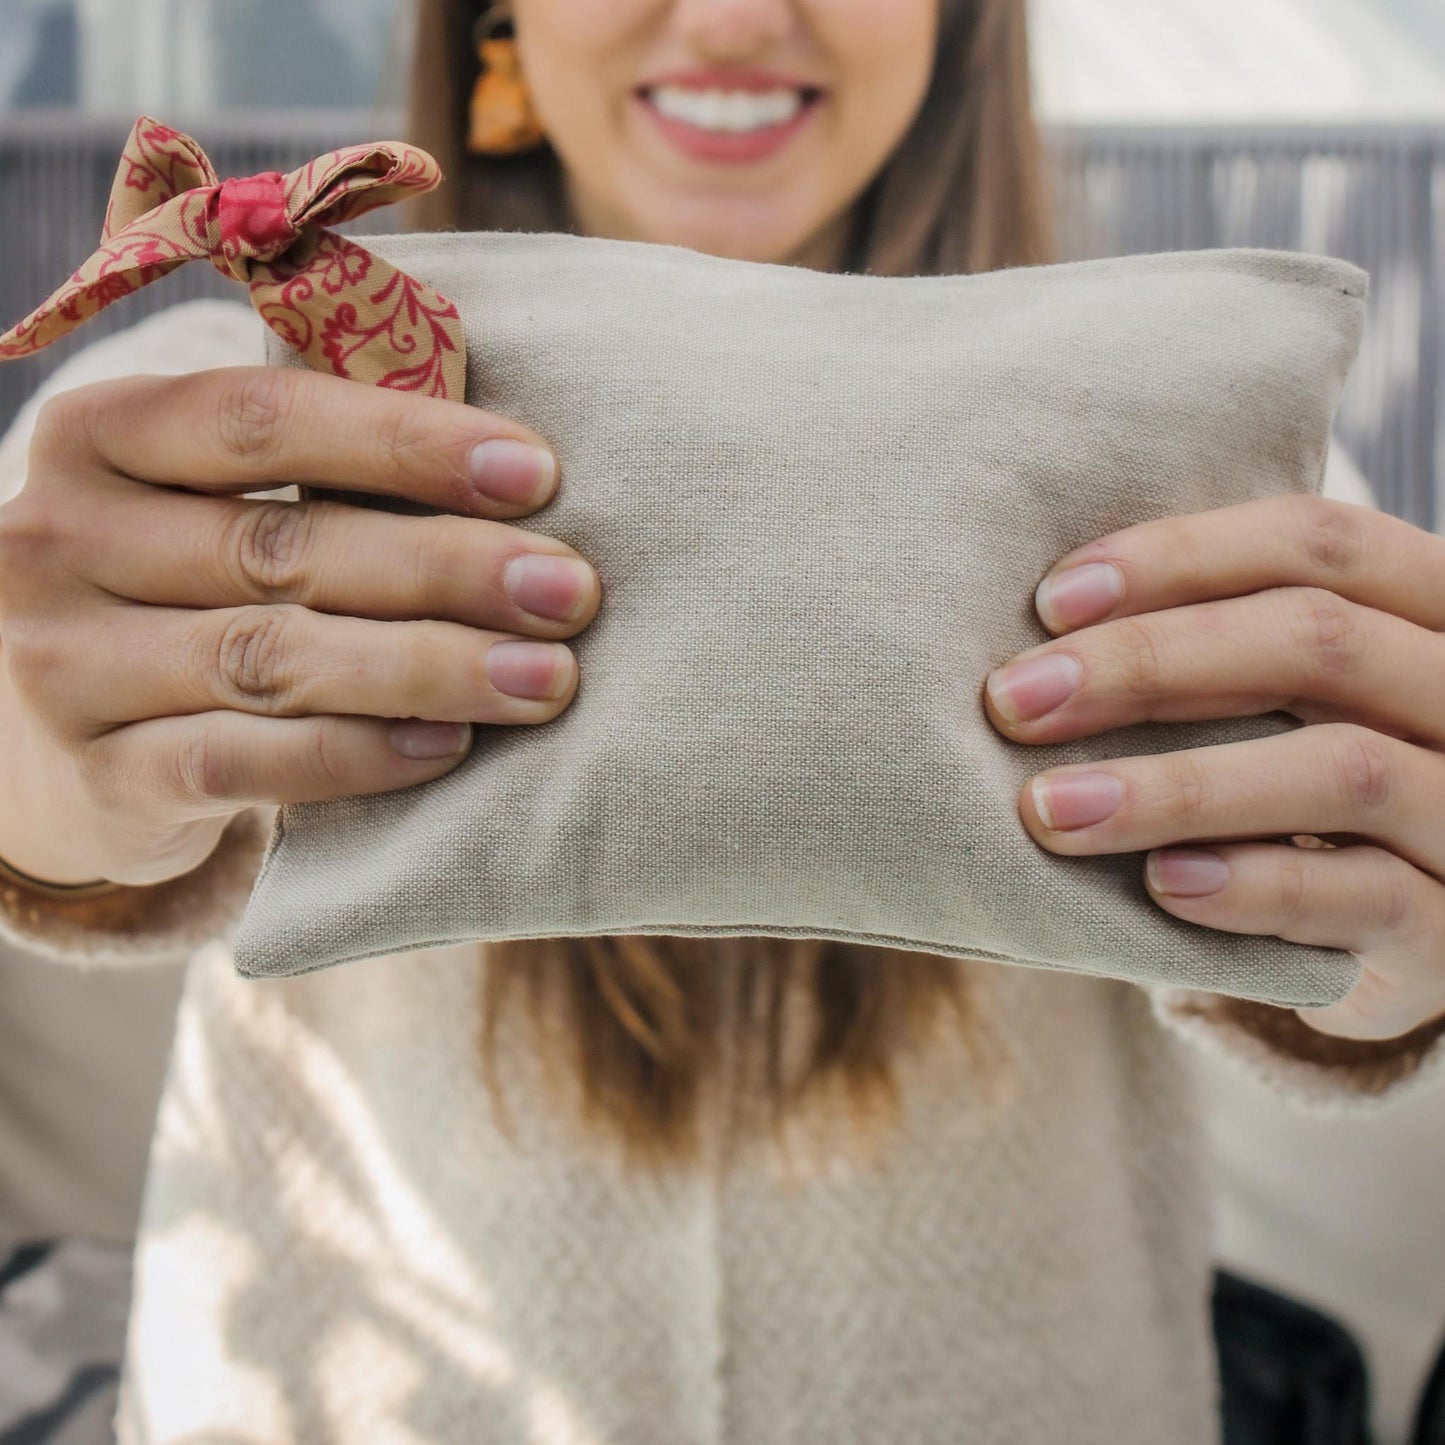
x=1372, y=194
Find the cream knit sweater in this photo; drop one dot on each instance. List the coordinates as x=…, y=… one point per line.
x=338, y=1244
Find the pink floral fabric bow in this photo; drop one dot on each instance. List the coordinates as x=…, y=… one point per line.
x=344, y=308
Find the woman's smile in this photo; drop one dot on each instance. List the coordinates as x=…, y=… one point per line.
x=728, y=116
x=745, y=129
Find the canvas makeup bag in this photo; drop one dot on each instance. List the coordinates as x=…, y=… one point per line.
x=819, y=506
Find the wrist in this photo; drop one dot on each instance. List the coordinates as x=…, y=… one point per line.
x=75, y=891
x=168, y=919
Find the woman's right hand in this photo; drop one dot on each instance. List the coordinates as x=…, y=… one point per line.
x=175, y=652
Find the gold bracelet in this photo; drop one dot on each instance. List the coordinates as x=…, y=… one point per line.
x=9, y=873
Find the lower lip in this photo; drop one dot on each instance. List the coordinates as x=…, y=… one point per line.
x=728, y=146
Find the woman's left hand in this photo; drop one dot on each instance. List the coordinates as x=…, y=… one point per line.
x=1327, y=610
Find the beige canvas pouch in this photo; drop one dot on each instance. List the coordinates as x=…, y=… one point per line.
x=819, y=506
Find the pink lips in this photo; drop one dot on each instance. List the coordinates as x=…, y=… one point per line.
x=733, y=147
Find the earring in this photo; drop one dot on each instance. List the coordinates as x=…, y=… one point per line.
x=501, y=118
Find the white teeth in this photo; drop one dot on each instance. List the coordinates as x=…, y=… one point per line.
x=727, y=110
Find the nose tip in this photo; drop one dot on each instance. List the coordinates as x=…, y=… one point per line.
x=734, y=29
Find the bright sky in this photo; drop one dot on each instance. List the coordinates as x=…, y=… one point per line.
x=1271, y=60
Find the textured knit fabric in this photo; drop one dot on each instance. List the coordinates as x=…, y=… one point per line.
x=337, y=1243
x=819, y=505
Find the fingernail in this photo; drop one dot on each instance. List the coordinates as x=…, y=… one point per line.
x=423, y=741
x=1074, y=800
x=1079, y=594
x=1188, y=872
x=555, y=587
x=512, y=471
x=529, y=669
x=1028, y=689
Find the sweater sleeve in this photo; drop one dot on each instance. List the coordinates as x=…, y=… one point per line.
x=1297, y=1063
x=1274, y=1045
x=167, y=920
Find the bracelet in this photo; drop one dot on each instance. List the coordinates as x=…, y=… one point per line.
x=9, y=873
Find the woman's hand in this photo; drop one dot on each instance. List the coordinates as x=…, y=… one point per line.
x=1330, y=611
x=174, y=652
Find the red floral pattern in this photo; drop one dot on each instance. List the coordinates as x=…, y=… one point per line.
x=343, y=307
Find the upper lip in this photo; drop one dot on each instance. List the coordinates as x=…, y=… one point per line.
x=723, y=78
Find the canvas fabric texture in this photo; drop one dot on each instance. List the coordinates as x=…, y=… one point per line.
x=819, y=505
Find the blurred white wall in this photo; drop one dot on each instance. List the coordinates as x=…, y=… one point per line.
x=1423, y=20
x=1246, y=60
x=193, y=56
x=1095, y=60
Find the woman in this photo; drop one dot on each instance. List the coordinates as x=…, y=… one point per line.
x=535, y=1192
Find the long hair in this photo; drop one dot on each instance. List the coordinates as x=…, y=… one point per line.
x=630, y=1028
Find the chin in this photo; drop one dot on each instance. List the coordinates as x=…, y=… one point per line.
x=728, y=227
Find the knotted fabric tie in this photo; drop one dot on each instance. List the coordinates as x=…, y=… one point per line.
x=343, y=308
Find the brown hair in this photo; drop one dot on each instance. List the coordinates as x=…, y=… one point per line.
x=631, y=1026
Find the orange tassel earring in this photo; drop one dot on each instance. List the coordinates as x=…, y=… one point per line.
x=501, y=119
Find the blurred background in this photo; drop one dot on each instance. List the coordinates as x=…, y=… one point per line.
x=1303, y=124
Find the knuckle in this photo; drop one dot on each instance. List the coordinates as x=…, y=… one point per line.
x=254, y=656
x=1141, y=665
x=205, y=768
x=1376, y=1006
x=1359, y=762
x=102, y=776
x=327, y=757
x=1327, y=628
x=55, y=425
x=1331, y=535
x=33, y=655
x=1393, y=894
x=1190, y=794
x=405, y=448
x=1293, y=882
x=32, y=528
x=423, y=666
x=63, y=424
x=252, y=415
x=439, y=549
x=270, y=545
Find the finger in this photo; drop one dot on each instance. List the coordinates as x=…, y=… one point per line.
x=185, y=551
x=1363, y=899
x=215, y=763
x=1362, y=554
x=1330, y=778
x=1277, y=649
x=286, y=661
x=248, y=428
